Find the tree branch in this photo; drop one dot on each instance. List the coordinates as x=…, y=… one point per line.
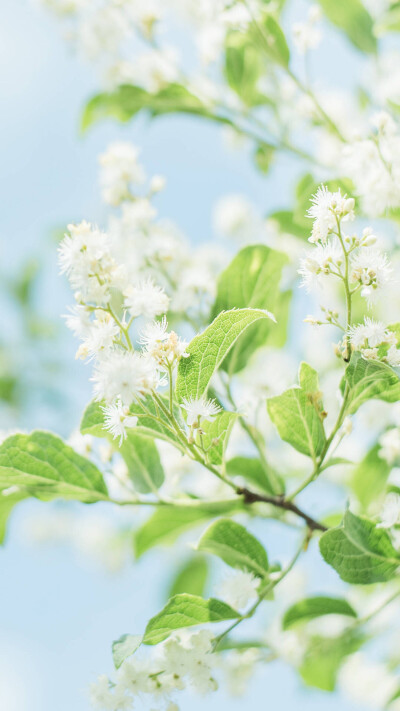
x=251, y=497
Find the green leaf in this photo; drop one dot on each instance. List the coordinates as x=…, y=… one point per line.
x=370, y=477
x=127, y=100
x=367, y=379
x=185, y=611
x=312, y=607
x=298, y=414
x=352, y=17
x=208, y=350
x=169, y=522
x=243, y=67
x=43, y=466
x=124, y=647
x=7, y=503
x=325, y=656
x=359, y=551
x=218, y=430
x=235, y=546
x=263, y=156
x=275, y=42
x=143, y=461
x=191, y=577
x=264, y=478
x=288, y=224
x=251, y=280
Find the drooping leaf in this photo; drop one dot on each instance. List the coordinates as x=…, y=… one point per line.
x=231, y=542
x=298, y=414
x=191, y=577
x=243, y=67
x=370, y=477
x=208, y=350
x=251, y=280
x=353, y=18
x=143, y=460
x=274, y=41
x=359, y=551
x=43, y=466
x=124, y=647
x=169, y=522
x=312, y=607
x=262, y=477
x=185, y=611
x=324, y=657
x=367, y=379
x=7, y=503
x=216, y=435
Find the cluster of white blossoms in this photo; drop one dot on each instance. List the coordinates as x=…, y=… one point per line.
x=373, y=163
x=182, y=661
x=307, y=35
x=358, y=264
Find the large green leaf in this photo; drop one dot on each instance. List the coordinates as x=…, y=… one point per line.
x=93, y=420
x=359, y=551
x=243, y=67
x=262, y=477
x=252, y=280
x=216, y=435
x=208, y=350
x=169, y=522
x=127, y=100
x=312, y=607
x=143, y=460
x=352, y=17
x=367, y=379
x=370, y=477
x=43, y=466
x=274, y=40
x=191, y=577
x=298, y=414
x=231, y=542
x=185, y=611
x=324, y=657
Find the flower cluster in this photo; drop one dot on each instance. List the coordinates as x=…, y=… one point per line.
x=182, y=661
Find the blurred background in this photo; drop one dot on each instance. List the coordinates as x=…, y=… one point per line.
x=61, y=606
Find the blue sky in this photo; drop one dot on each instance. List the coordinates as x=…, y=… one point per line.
x=58, y=616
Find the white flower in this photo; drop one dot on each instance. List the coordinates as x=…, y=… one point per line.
x=146, y=299
x=119, y=170
x=117, y=419
x=190, y=656
x=319, y=262
x=81, y=251
x=238, y=589
x=100, y=337
x=165, y=347
x=390, y=512
x=125, y=376
x=306, y=35
x=326, y=208
x=390, y=445
x=199, y=409
x=366, y=682
x=371, y=268
x=372, y=332
x=393, y=357
x=234, y=216
x=106, y=699
x=83, y=444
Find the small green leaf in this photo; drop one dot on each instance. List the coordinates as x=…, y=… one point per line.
x=243, y=67
x=264, y=478
x=263, y=156
x=169, y=522
x=208, y=350
x=359, y=551
x=370, y=477
x=124, y=647
x=324, y=657
x=312, y=607
x=352, y=17
x=298, y=414
x=275, y=42
x=367, y=379
x=191, y=577
x=7, y=503
x=43, y=466
x=185, y=611
x=216, y=435
x=252, y=280
x=143, y=461
x=235, y=546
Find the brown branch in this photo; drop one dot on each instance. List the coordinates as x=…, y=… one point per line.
x=251, y=497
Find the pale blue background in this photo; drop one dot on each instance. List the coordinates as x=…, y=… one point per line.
x=57, y=617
